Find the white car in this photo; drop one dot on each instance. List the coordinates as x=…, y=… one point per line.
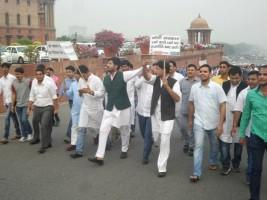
x=3, y=55
x=16, y=54
x=42, y=54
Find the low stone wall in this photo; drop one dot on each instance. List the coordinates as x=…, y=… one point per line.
x=96, y=65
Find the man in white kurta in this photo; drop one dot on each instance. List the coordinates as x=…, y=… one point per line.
x=115, y=115
x=166, y=92
x=92, y=90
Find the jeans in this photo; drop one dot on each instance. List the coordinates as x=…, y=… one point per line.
x=187, y=135
x=257, y=147
x=199, y=135
x=238, y=148
x=68, y=134
x=146, y=131
x=25, y=126
x=10, y=114
x=80, y=140
x=249, y=160
x=225, y=154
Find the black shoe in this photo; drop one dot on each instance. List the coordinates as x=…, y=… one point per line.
x=132, y=135
x=162, y=174
x=186, y=148
x=236, y=169
x=35, y=142
x=95, y=160
x=49, y=146
x=123, y=155
x=191, y=152
x=76, y=155
x=41, y=150
x=145, y=161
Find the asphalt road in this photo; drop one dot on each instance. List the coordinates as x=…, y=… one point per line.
x=27, y=175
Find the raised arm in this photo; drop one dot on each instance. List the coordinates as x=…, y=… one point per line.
x=128, y=75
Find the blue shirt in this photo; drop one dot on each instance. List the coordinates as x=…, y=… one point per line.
x=67, y=82
x=73, y=93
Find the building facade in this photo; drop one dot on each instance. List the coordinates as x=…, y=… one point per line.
x=32, y=19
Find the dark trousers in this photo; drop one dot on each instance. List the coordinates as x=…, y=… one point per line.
x=13, y=116
x=146, y=131
x=68, y=134
x=249, y=160
x=257, y=147
x=238, y=148
x=225, y=151
x=43, y=121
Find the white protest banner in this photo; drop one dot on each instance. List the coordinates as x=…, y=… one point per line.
x=61, y=50
x=165, y=45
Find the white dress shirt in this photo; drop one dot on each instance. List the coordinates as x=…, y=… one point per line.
x=226, y=136
x=144, y=94
x=207, y=100
x=6, y=88
x=178, y=77
x=43, y=94
x=46, y=79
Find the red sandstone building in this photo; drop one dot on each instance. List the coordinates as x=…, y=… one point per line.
x=32, y=19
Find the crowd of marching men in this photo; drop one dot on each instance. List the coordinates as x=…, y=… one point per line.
x=231, y=111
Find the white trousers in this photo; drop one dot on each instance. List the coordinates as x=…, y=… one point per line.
x=164, y=151
x=105, y=128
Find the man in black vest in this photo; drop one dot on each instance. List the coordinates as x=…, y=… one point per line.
x=117, y=110
x=166, y=92
x=232, y=88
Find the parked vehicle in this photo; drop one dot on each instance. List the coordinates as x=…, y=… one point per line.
x=42, y=54
x=3, y=54
x=16, y=54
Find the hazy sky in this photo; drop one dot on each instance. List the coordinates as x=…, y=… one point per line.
x=232, y=21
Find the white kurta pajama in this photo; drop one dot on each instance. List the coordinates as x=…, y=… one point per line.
x=163, y=129
x=92, y=105
x=116, y=118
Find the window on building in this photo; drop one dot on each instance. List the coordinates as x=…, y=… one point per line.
x=28, y=2
x=29, y=20
x=7, y=19
x=18, y=19
x=18, y=1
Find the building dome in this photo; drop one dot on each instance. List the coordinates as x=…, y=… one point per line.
x=199, y=23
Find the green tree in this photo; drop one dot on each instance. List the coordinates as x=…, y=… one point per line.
x=64, y=38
